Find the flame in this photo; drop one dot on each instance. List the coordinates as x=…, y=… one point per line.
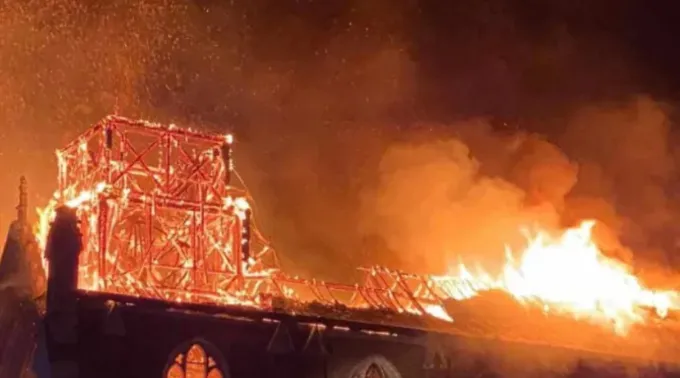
x=438, y=312
x=569, y=273
x=565, y=273
x=84, y=203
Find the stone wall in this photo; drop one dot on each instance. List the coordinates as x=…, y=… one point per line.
x=18, y=319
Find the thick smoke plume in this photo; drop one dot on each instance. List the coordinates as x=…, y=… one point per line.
x=363, y=127
x=433, y=203
x=445, y=199
x=302, y=85
x=407, y=133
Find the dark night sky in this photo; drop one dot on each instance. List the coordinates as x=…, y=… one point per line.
x=317, y=91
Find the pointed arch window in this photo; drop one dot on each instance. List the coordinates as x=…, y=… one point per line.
x=194, y=362
x=374, y=371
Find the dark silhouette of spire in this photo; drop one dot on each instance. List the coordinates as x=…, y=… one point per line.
x=22, y=208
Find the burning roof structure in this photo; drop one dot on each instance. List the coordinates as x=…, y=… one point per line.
x=164, y=217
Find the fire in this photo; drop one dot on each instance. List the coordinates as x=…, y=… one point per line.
x=566, y=274
x=158, y=215
x=160, y=219
x=569, y=273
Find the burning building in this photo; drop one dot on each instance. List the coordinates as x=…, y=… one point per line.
x=155, y=267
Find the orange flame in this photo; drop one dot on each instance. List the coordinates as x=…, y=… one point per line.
x=570, y=274
x=566, y=274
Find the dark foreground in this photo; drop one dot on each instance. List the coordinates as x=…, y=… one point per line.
x=139, y=338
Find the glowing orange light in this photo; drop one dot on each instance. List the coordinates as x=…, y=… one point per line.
x=168, y=225
x=569, y=273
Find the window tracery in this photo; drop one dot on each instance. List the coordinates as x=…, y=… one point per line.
x=194, y=362
x=374, y=371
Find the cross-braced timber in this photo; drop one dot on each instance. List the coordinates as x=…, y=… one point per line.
x=163, y=216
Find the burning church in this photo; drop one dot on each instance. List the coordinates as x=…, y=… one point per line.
x=155, y=268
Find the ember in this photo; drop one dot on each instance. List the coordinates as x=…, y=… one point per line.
x=162, y=217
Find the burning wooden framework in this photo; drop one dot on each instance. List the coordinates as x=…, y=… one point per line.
x=163, y=216
x=168, y=242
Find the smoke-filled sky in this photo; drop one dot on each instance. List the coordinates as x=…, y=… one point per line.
x=409, y=133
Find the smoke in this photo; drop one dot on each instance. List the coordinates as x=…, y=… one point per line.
x=465, y=197
x=346, y=113
x=432, y=204
x=628, y=172
x=300, y=84
x=368, y=131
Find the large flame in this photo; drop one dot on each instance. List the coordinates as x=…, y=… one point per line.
x=569, y=273
x=564, y=272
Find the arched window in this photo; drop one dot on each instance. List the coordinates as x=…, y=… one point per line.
x=193, y=362
x=376, y=366
x=374, y=371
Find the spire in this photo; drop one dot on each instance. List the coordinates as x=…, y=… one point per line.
x=116, y=106
x=23, y=201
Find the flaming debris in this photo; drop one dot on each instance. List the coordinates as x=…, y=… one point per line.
x=161, y=218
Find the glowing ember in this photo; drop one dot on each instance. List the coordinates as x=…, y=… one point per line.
x=158, y=215
x=570, y=274
x=160, y=219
